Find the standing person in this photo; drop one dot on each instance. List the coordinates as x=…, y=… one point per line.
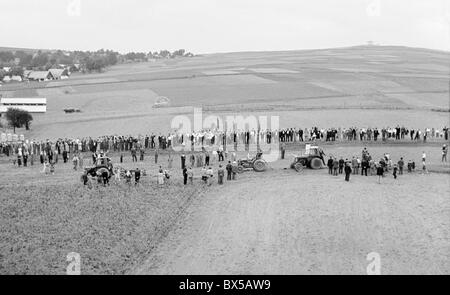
x=207, y=157
x=185, y=176
x=105, y=178
x=183, y=161
x=160, y=177
x=354, y=165
x=330, y=165
x=358, y=165
x=401, y=165
x=424, y=166
x=137, y=176
x=444, y=153
x=395, y=171
x=192, y=160
x=121, y=157
x=341, y=165
x=234, y=170
x=190, y=174
x=133, y=155
x=142, y=153
x=75, y=162
x=229, y=170
x=335, y=167
x=283, y=150
x=424, y=157
x=156, y=156
x=409, y=166
x=364, y=166
x=220, y=175
x=380, y=172
x=348, y=171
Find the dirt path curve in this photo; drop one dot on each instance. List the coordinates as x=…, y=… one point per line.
x=283, y=223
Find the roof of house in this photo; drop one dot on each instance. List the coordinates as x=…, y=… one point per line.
x=39, y=74
x=23, y=100
x=57, y=73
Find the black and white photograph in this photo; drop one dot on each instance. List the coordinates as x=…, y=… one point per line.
x=224, y=138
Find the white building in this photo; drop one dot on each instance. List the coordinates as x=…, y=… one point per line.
x=32, y=105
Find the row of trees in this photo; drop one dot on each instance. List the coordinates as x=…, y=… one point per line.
x=86, y=61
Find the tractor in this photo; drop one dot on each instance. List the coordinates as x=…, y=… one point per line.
x=256, y=163
x=102, y=164
x=312, y=158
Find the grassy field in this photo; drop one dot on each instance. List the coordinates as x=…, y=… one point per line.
x=45, y=217
x=405, y=83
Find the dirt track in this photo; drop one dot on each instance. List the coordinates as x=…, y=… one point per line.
x=283, y=223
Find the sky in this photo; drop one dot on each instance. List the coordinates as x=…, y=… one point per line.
x=210, y=26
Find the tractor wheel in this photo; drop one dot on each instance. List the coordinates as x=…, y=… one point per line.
x=298, y=167
x=316, y=164
x=240, y=169
x=259, y=166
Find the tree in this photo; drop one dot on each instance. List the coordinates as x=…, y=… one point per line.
x=179, y=52
x=18, y=118
x=16, y=71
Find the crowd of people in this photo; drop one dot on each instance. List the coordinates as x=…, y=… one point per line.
x=138, y=144
x=214, y=148
x=367, y=166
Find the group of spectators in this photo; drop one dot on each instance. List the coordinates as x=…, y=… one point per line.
x=366, y=165
x=138, y=144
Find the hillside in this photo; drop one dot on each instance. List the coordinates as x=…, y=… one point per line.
x=405, y=83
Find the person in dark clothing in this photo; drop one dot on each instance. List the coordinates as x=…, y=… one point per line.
x=105, y=178
x=335, y=167
x=283, y=150
x=137, y=176
x=401, y=164
x=330, y=166
x=84, y=178
x=229, y=169
x=364, y=167
x=348, y=171
x=380, y=172
x=183, y=162
x=341, y=166
x=395, y=171
x=185, y=176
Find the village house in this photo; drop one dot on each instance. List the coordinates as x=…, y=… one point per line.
x=59, y=74
x=40, y=76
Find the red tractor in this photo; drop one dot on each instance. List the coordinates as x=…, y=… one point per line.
x=312, y=158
